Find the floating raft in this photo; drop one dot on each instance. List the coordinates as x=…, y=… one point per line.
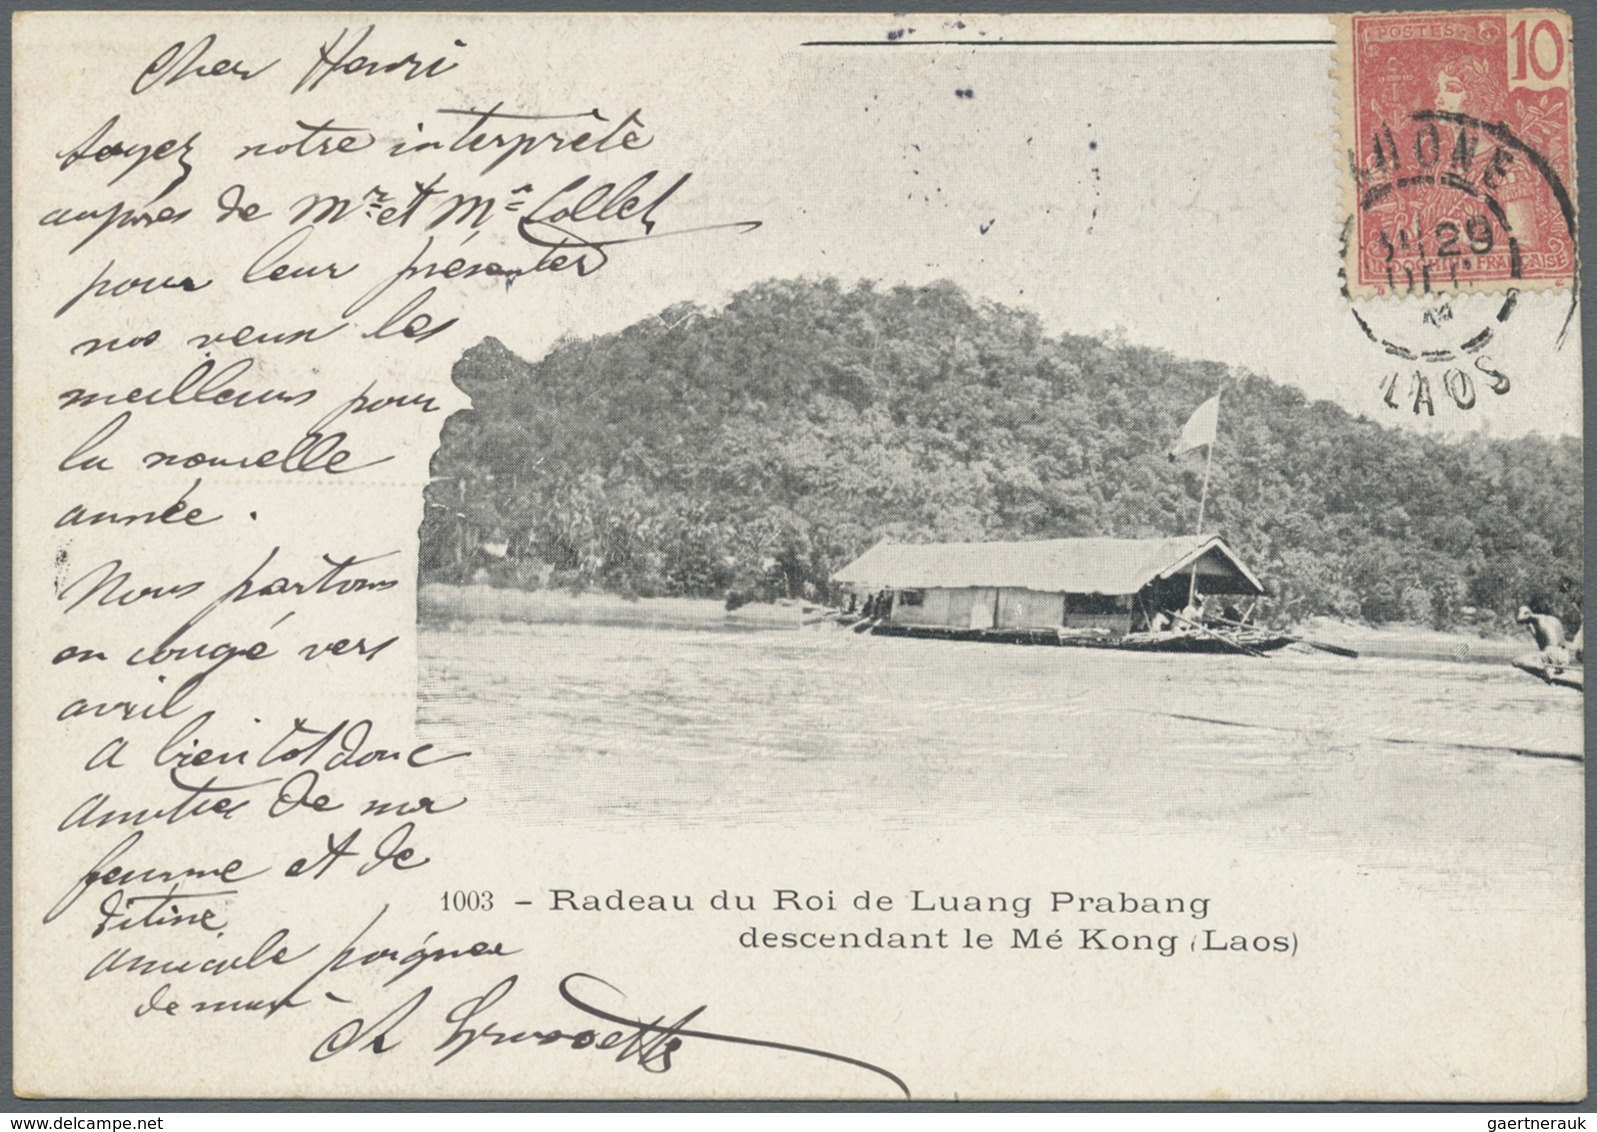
x=1172, y=642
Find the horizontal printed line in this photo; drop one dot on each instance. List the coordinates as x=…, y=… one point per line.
x=1069, y=43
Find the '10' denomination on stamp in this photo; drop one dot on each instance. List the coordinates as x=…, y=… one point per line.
x=1458, y=139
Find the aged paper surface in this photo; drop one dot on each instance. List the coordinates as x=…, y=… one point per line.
x=526, y=528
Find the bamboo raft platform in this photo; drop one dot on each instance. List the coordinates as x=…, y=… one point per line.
x=1201, y=641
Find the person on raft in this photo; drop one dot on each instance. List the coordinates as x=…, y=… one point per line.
x=1549, y=633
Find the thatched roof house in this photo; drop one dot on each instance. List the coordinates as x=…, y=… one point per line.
x=1069, y=583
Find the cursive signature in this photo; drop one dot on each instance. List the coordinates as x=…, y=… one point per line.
x=650, y=1045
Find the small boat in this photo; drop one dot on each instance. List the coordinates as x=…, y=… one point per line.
x=1206, y=641
x=1563, y=676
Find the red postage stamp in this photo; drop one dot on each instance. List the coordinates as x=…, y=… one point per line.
x=1458, y=135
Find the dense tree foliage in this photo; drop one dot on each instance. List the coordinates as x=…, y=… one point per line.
x=751, y=451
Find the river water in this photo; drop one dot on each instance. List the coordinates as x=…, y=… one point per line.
x=1458, y=775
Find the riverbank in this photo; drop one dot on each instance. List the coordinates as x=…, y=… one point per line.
x=440, y=603
x=1415, y=642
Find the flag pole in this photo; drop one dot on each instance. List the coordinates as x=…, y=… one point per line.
x=1203, y=499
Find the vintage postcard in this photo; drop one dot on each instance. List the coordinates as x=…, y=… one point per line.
x=811, y=557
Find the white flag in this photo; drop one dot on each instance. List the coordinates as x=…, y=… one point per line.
x=1199, y=429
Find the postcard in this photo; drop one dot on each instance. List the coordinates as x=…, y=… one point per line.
x=709, y=556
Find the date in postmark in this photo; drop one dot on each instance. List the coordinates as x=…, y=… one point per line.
x=1458, y=139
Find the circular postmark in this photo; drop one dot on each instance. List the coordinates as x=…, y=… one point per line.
x=1450, y=206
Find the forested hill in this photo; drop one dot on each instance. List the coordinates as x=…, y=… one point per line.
x=751, y=451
